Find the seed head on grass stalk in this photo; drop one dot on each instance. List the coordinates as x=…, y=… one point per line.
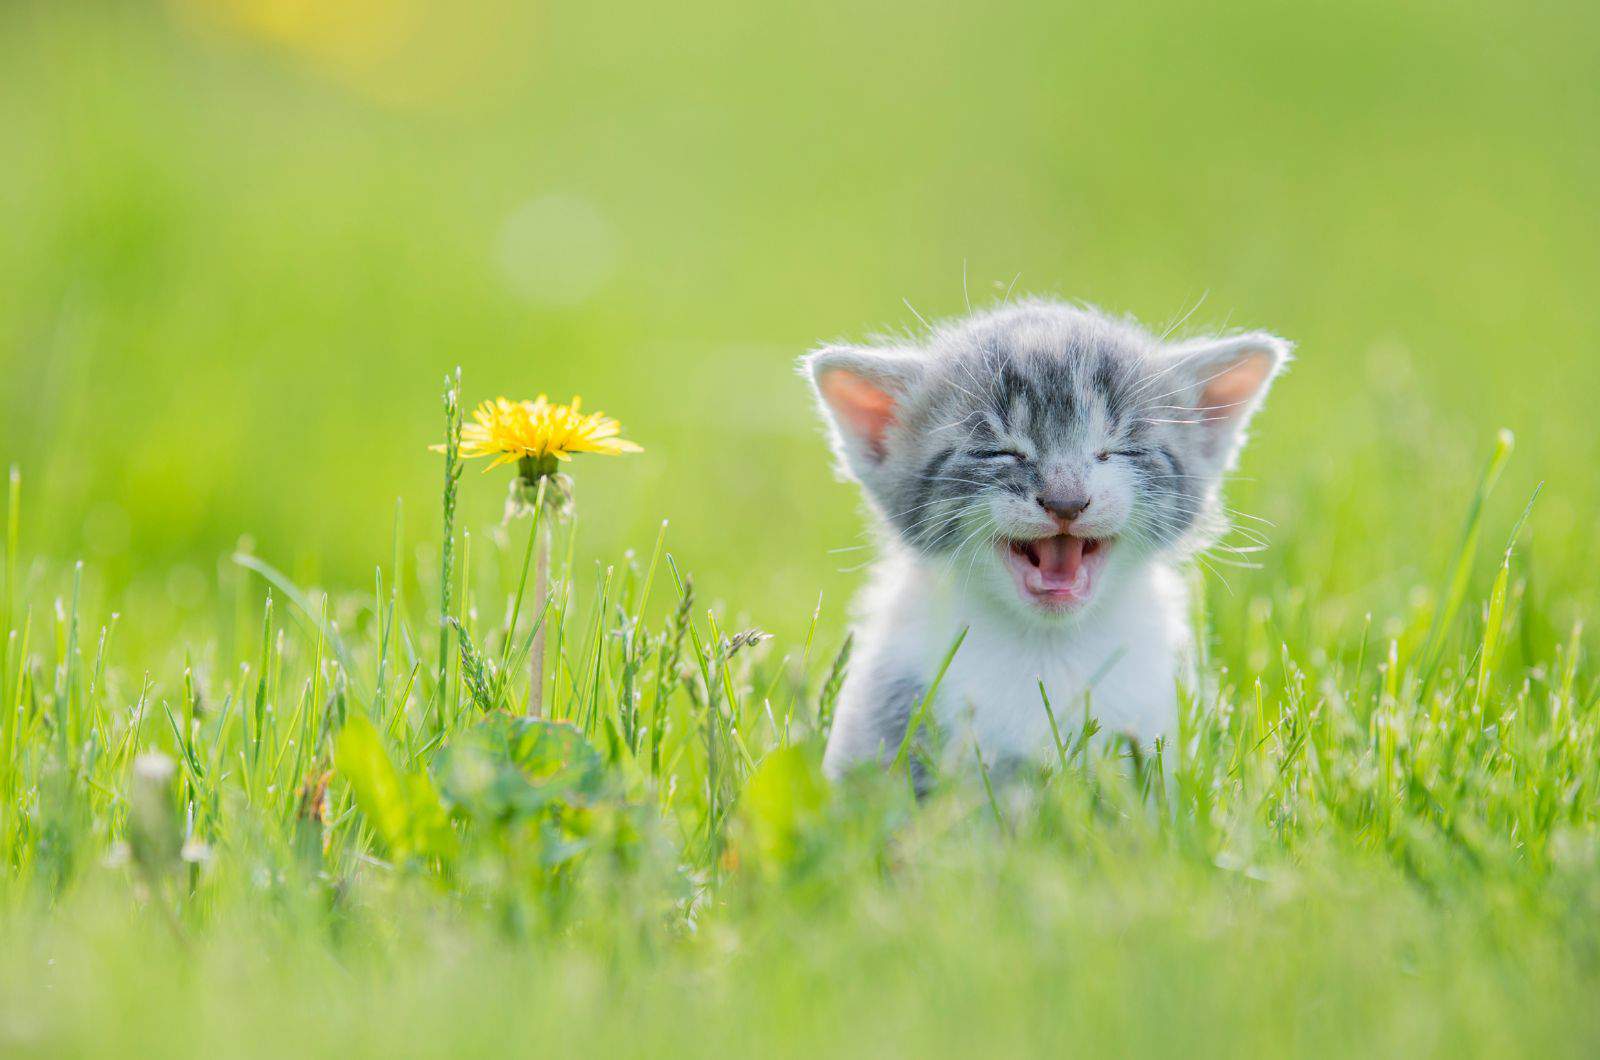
x=452, y=473
x=539, y=437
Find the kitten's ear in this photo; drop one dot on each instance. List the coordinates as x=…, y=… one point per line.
x=861, y=390
x=1225, y=380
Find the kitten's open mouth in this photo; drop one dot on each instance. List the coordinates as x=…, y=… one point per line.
x=1057, y=573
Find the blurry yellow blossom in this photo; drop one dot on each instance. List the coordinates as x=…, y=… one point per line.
x=438, y=53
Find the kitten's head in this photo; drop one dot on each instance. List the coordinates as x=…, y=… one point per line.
x=1039, y=451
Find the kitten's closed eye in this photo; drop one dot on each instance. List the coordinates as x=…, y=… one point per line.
x=997, y=454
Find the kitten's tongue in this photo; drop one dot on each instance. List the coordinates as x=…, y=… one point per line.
x=1060, y=559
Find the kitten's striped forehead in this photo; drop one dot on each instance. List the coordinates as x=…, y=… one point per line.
x=1041, y=385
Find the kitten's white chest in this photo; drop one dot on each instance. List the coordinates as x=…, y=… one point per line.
x=1121, y=667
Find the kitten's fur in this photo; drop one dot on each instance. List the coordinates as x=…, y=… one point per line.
x=993, y=455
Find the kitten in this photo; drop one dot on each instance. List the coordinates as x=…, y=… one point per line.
x=1041, y=471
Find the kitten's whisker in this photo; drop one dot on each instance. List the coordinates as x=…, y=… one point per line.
x=1148, y=382
x=1201, y=560
x=1218, y=479
x=1192, y=503
x=956, y=423
x=1192, y=386
x=927, y=531
x=1240, y=550
x=1193, y=422
x=1191, y=507
x=1165, y=335
x=1236, y=564
x=955, y=554
x=1196, y=408
x=916, y=314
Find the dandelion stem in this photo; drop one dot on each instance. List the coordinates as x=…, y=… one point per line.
x=535, y=533
x=541, y=590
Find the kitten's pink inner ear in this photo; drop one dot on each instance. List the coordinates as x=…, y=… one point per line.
x=1230, y=391
x=863, y=408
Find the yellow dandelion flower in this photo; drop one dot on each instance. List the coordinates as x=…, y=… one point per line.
x=540, y=431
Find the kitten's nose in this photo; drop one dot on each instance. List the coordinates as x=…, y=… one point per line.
x=1065, y=507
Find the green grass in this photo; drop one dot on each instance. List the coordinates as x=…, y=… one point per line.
x=237, y=268
x=1383, y=845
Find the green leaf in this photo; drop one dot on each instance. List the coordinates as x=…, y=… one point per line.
x=784, y=799
x=360, y=759
x=404, y=809
x=428, y=823
x=507, y=768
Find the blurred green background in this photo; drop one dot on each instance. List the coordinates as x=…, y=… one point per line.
x=245, y=240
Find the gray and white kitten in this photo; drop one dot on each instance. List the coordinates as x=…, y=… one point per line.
x=1042, y=471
